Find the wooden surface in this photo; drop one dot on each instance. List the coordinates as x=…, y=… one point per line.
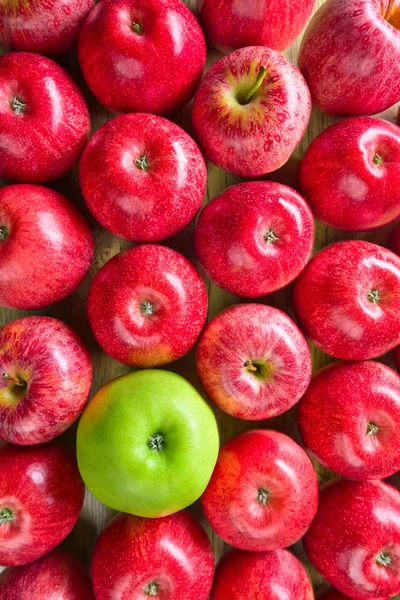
x=72, y=310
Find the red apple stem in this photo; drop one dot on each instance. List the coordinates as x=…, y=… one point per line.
x=249, y=365
x=14, y=379
x=151, y=589
x=6, y=515
x=252, y=91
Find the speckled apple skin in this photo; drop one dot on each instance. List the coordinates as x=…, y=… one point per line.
x=42, y=487
x=132, y=552
x=271, y=23
x=155, y=274
x=349, y=57
x=259, y=137
x=45, y=26
x=44, y=141
x=335, y=429
x=331, y=300
x=156, y=71
x=261, y=576
x=143, y=205
x=58, y=575
x=49, y=248
x=261, y=459
x=230, y=238
x=51, y=358
x=345, y=188
x=253, y=332
x=356, y=521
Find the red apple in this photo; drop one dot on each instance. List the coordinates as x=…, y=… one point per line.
x=145, y=56
x=254, y=238
x=46, y=377
x=167, y=558
x=251, y=111
x=263, y=493
x=44, y=120
x=50, y=27
x=354, y=540
x=147, y=306
x=350, y=174
x=359, y=439
x=350, y=56
x=41, y=496
x=46, y=247
x=231, y=24
x=348, y=300
x=143, y=177
x=253, y=361
x=58, y=575
x=261, y=576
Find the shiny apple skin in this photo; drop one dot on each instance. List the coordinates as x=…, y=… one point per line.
x=341, y=434
x=156, y=71
x=261, y=334
x=331, y=300
x=46, y=139
x=259, y=137
x=150, y=204
x=272, y=23
x=349, y=57
x=173, y=553
x=340, y=179
x=49, y=248
x=57, y=575
x=255, y=461
x=51, y=359
x=50, y=27
x=43, y=490
x=231, y=238
x=147, y=274
x=355, y=522
x=261, y=576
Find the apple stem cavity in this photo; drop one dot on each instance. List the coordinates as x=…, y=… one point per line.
x=17, y=106
x=372, y=429
x=270, y=237
x=156, y=442
x=249, y=365
x=14, y=379
x=262, y=496
x=137, y=28
x=384, y=559
x=378, y=160
x=373, y=296
x=4, y=233
x=142, y=163
x=6, y=515
x=151, y=589
x=261, y=76
x=147, y=308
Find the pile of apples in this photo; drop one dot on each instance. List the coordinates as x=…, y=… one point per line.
x=148, y=442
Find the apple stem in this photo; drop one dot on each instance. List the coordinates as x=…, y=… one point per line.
x=151, y=589
x=378, y=160
x=373, y=296
x=5, y=515
x=137, y=28
x=384, y=559
x=156, y=442
x=270, y=237
x=14, y=379
x=17, y=106
x=3, y=233
x=249, y=365
x=147, y=308
x=372, y=428
x=142, y=163
x=262, y=496
x=252, y=91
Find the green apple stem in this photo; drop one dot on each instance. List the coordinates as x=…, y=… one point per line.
x=151, y=589
x=6, y=515
x=137, y=28
x=249, y=365
x=262, y=496
x=270, y=237
x=378, y=160
x=156, y=442
x=17, y=106
x=3, y=233
x=142, y=163
x=384, y=559
x=252, y=91
x=14, y=379
x=373, y=296
x=147, y=308
x=372, y=429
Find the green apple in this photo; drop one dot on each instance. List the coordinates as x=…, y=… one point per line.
x=147, y=443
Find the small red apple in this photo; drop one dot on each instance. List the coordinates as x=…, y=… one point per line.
x=253, y=361
x=44, y=120
x=143, y=177
x=251, y=111
x=41, y=496
x=261, y=576
x=147, y=306
x=168, y=558
x=347, y=300
x=58, y=575
x=263, y=493
x=354, y=540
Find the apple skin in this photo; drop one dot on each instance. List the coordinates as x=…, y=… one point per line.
x=147, y=306
x=41, y=496
x=358, y=439
x=155, y=71
x=239, y=23
x=350, y=174
x=143, y=203
x=58, y=574
x=46, y=247
x=258, y=137
x=43, y=136
x=261, y=576
x=51, y=27
x=55, y=369
x=349, y=56
x=171, y=557
x=347, y=300
x=355, y=532
x=280, y=361
x=118, y=456
x=254, y=238
x=263, y=493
